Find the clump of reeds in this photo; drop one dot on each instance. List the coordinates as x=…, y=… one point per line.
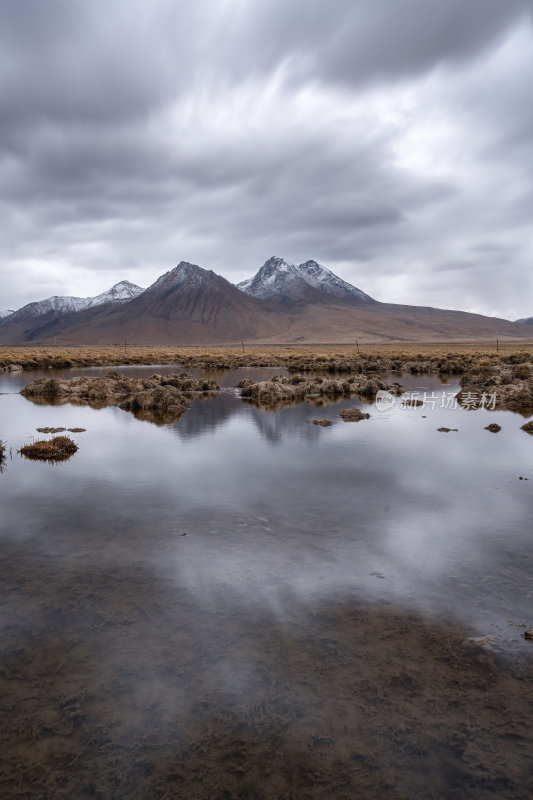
x=528, y=427
x=57, y=449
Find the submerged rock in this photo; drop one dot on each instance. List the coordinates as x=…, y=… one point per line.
x=353, y=415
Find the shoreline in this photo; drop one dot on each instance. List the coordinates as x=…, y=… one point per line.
x=29, y=357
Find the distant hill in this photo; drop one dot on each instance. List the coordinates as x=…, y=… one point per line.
x=36, y=319
x=282, y=302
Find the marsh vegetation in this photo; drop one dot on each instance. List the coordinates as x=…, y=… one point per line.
x=57, y=449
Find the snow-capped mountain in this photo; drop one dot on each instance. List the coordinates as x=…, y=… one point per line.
x=187, y=273
x=282, y=279
x=6, y=313
x=119, y=293
x=185, y=299
x=321, y=278
x=284, y=303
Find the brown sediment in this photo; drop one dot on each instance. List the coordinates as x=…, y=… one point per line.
x=353, y=415
x=126, y=686
x=57, y=449
x=164, y=397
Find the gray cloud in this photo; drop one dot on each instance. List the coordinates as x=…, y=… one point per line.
x=390, y=141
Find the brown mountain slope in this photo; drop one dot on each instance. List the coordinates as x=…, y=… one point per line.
x=189, y=305
x=219, y=321
x=389, y=322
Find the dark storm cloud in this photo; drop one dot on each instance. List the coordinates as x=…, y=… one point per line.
x=389, y=140
x=361, y=41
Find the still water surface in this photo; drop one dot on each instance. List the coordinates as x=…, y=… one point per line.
x=273, y=504
x=279, y=514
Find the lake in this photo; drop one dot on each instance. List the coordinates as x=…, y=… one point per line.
x=244, y=604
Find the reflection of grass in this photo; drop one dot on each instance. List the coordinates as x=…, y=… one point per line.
x=57, y=449
x=2, y=453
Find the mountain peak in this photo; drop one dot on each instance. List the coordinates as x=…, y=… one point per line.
x=272, y=279
x=322, y=278
x=185, y=271
x=121, y=292
x=282, y=279
x=276, y=263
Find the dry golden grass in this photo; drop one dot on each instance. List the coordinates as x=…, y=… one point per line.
x=57, y=449
x=33, y=357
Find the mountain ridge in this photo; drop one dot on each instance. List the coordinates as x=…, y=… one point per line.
x=305, y=303
x=285, y=281
x=120, y=292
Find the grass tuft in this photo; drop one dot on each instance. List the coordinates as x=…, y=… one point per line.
x=57, y=449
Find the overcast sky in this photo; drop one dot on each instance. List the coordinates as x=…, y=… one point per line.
x=391, y=141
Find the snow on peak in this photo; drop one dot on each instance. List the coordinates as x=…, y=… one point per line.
x=6, y=312
x=278, y=277
x=184, y=272
x=322, y=278
x=274, y=278
x=119, y=293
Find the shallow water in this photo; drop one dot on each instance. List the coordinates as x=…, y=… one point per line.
x=285, y=521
